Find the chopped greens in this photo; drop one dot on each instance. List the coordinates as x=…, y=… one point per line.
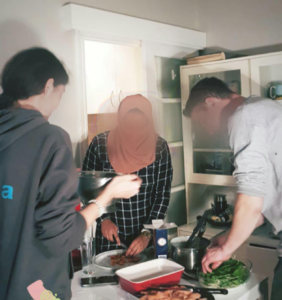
x=228, y=275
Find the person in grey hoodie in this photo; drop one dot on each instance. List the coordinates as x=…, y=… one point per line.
x=254, y=127
x=38, y=181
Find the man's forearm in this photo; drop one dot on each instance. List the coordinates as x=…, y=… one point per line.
x=247, y=217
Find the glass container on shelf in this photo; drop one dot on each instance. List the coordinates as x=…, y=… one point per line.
x=212, y=154
x=271, y=81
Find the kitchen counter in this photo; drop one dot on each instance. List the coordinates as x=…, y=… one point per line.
x=248, y=291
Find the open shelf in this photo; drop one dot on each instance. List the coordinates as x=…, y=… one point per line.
x=169, y=100
x=212, y=150
x=175, y=144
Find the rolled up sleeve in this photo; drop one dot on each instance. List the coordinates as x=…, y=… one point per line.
x=250, y=160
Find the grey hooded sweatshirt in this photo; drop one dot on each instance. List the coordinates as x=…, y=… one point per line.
x=38, y=222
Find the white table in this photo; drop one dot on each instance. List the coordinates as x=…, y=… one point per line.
x=248, y=291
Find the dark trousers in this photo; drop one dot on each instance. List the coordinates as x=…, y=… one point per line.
x=276, y=293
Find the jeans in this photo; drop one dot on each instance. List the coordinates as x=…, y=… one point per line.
x=276, y=293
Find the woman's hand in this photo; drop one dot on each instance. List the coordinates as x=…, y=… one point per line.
x=137, y=246
x=110, y=230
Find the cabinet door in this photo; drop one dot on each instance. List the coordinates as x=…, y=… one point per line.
x=128, y=63
x=100, y=77
x=207, y=159
x=168, y=76
x=265, y=72
x=264, y=260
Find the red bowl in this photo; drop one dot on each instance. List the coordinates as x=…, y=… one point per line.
x=149, y=274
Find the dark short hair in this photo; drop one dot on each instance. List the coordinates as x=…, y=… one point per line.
x=207, y=87
x=26, y=74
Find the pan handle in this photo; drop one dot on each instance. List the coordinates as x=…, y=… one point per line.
x=212, y=291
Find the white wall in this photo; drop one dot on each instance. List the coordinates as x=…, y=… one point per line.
x=243, y=26
x=26, y=23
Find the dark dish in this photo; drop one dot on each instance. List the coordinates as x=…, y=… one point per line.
x=178, y=292
x=92, y=183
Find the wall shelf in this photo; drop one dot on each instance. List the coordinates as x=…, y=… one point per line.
x=175, y=144
x=169, y=100
x=212, y=150
x=177, y=188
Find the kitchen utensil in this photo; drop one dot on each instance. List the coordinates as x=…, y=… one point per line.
x=151, y=273
x=191, y=239
x=220, y=204
x=104, y=259
x=92, y=183
x=121, y=244
x=202, y=231
x=189, y=258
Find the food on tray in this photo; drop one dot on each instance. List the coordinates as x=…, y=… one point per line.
x=173, y=293
x=121, y=259
x=230, y=274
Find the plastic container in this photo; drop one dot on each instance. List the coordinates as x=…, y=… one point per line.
x=149, y=274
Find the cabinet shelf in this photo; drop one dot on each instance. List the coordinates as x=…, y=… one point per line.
x=212, y=150
x=175, y=144
x=169, y=100
x=211, y=179
x=177, y=188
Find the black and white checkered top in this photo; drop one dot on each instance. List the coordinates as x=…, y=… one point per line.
x=149, y=204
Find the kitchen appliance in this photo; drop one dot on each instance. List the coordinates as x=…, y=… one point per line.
x=189, y=258
x=103, y=259
x=92, y=183
x=151, y=273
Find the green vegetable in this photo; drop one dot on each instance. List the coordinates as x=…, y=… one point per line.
x=230, y=274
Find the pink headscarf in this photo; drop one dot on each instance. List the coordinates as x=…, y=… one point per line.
x=127, y=158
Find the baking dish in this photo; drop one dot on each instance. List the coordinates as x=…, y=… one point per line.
x=149, y=274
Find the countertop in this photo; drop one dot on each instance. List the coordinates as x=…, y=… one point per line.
x=248, y=291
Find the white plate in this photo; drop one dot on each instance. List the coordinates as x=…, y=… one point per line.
x=104, y=259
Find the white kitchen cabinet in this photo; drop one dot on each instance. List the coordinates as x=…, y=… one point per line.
x=128, y=71
x=207, y=162
x=207, y=158
x=112, y=72
x=100, y=77
x=264, y=71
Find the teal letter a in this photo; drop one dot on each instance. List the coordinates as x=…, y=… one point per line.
x=7, y=192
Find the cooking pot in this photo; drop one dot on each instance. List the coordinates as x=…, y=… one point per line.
x=91, y=185
x=189, y=258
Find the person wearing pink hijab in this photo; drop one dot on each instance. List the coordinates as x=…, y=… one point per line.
x=132, y=147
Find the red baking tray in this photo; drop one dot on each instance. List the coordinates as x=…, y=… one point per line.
x=149, y=274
